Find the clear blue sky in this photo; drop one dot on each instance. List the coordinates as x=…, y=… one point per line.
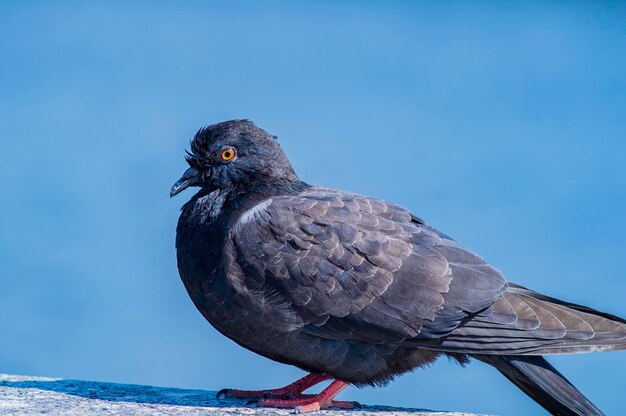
x=502, y=125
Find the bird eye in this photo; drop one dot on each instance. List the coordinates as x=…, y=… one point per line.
x=228, y=153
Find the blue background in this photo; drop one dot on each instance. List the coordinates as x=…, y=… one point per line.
x=502, y=125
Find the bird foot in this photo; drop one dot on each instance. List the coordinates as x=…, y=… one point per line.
x=291, y=396
x=292, y=391
x=307, y=403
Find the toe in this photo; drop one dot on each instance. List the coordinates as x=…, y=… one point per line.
x=307, y=408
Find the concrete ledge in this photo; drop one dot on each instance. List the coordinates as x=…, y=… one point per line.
x=23, y=395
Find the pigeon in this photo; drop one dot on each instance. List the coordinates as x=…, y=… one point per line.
x=356, y=290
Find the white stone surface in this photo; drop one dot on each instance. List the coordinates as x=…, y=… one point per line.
x=23, y=395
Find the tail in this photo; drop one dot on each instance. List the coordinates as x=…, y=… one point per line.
x=520, y=327
x=543, y=383
x=523, y=322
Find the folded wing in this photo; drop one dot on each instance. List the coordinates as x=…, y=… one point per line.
x=353, y=267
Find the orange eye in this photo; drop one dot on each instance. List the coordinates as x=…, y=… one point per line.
x=228, y=153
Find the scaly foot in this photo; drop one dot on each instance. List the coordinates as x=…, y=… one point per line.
x=293, y=390
x=314, y=402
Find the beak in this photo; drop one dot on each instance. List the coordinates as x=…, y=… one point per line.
x=191, y=177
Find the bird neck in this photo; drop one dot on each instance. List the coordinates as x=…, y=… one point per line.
x=213, y=209
x=246, y=195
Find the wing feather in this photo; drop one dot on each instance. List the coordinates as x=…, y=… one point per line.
x=360, y=268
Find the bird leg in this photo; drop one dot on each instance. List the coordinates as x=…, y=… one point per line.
x=294, y=389
x=312, y=402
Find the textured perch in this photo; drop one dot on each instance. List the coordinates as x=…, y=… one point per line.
x=25, y=395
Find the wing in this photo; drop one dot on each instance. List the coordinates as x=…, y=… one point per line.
x=354, y=267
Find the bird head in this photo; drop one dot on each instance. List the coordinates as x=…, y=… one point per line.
x=234, y=154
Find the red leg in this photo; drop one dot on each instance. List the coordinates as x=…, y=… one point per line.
x=314, y=402
x=293, y=389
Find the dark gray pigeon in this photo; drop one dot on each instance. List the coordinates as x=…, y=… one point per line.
x=354, y=289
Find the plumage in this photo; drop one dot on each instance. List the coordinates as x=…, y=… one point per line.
x=353, y=287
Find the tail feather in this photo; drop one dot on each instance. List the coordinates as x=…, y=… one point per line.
x=520, y=327
x=543, y=383
x=515, y=288
x=523, y=322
